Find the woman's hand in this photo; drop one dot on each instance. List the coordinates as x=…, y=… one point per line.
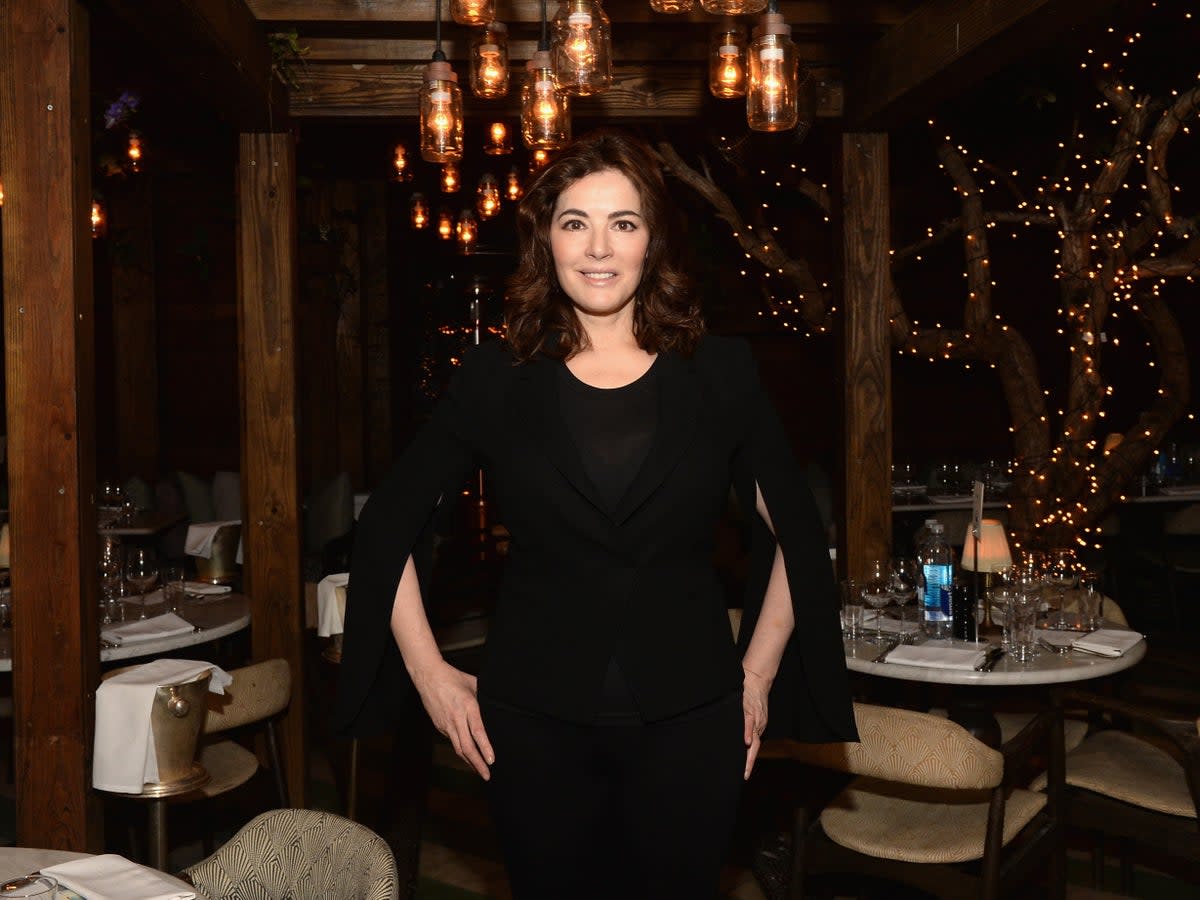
x=449, y=696
x=755, y=689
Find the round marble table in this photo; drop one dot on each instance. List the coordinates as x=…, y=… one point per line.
x=216, y=616
x=18, y=861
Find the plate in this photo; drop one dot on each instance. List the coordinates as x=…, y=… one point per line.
x=947, y=499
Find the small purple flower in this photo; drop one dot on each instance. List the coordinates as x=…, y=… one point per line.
x=121, y=109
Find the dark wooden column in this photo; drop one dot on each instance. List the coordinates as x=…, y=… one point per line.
x=135, y=327
x=267, y=338
x=48, y=333
x=868, y=400
x=378, y=340
x=348, y=354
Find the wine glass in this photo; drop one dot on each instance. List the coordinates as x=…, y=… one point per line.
x=141, y=572
x=902, y=584
x=876, y=591
x=111, y=567
x=1060, y=574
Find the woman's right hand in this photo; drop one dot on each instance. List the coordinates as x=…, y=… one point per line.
x=449, y=696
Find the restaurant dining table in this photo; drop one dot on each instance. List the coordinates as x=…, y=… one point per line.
x=18, y=861
x=214, y=616
x=143, y=523
x=973, y=693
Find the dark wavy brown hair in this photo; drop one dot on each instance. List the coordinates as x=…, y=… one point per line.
x=540, y=316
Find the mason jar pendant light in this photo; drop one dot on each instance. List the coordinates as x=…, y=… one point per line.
x=672, y=6
x=487, y=196
x=512, y=187
x=450, y=179
x=135, y=152
x=418, y=211
x=400, y=164
x=771, y=98
x=582, y=48
x=727, y=61
x=497, y=142
x=467, y=230
x=445, y=224
x=440, y=100
x=733, y=7
x=489, y=61
x=472, y=12
x=545, y=111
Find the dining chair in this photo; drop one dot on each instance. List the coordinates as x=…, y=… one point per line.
x=1135, y=777
x=933, y=807
x=298, y=854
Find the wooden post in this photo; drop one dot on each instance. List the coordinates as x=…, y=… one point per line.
x=348, y=355
x=868, y=398
x=267, y=340
x=48, y=333
x=378, y=339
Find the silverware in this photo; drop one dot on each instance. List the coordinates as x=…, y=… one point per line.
x=1060, y=649
x=891, y=645
x=990, y=658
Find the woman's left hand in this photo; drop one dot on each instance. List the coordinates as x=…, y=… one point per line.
x=755, y=689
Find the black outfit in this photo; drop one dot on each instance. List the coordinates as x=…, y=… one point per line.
x=604, y=569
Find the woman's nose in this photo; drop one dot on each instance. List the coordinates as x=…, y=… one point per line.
x=598, y=246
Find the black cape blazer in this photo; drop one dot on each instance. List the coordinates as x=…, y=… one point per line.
x=581, y=585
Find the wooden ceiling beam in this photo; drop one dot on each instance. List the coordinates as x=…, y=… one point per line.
x=390, y=91
x=944, y=48
x=220, y=50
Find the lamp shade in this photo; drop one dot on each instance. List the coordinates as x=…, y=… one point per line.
x=994, y=554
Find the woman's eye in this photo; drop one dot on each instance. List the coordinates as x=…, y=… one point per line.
x=572, y=225
x=625, y=225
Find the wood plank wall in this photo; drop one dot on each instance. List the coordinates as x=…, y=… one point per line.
x=48, y=329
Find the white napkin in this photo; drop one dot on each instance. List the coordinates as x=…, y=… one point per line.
x=888, y=624
x=123, y=753
x=200, y=536
x=331, y=603
x=113, y=877
x=203, y=587
x=1108, y=641
x=938, y=655
x=166, y=625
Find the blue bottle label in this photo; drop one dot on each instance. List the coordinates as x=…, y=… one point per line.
x=936, y=598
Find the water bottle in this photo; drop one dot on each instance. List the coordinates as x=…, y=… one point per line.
x=935, y=583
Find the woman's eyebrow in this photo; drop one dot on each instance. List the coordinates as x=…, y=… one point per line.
x=572, y=212
x=624, y=212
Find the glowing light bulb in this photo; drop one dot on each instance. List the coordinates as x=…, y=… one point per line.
x=450, y=182
x=400, y=163
x=582, y=48
x=135, y=153
x=419, y=212
x=512, y=186
x=445, y=224
x=489, y=62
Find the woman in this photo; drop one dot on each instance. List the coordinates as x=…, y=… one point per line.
x=614, y=717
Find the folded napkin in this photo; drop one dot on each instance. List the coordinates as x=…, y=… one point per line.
x=331, y=603
x=938, y=655
x=200, y=536
x=166, y=625
x=113, y=877
x=1108, y=641
x=203, y=587
x=888, y=624
x=123, y=753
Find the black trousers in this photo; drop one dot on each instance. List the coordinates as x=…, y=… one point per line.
x=615, y=810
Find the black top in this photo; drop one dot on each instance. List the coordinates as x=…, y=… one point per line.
x=612, y=429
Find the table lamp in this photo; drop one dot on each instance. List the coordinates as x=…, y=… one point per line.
x=987, y=555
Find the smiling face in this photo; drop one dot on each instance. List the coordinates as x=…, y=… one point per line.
x=599, y=238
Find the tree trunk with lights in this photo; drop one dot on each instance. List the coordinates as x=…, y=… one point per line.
x=1064, y=481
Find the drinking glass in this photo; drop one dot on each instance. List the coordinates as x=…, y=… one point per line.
x=1020, y=622
x=876, y=592
x=902, y=586
x=172, y=575
x=852, y=609
x=1091, y=601
x=141, y=572
x=1060, y=574
x=39, y=886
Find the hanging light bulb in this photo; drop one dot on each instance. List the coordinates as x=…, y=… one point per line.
x=672, y=6
x=537, y=159
x=441, y=114
x=497, y=142
x=771, y=97
x=512, y=187
x=99, y=222
x=472, y=12
x=487, y=196
x=582, y=48
x=727, y=61
x=489, y=61
x=545, y=111
x=135, y=152
x=450, y=179
x=445, y=224
x=733, y=7
x=418, y=211
x=467, y=230
x=400, y=164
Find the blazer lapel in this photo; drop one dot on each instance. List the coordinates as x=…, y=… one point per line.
x=537, y=410
x=678, y=411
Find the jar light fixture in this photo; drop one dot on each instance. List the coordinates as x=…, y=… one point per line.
x=581, y=48
x=418, y=212
x=445, y=224
x=771, y=99
x=472, y=12
x=400, y=164
x=467, y=231
x=512, y=187
x=545, y=111
x=489, y=61
x=538, y=158
x=497, y=142
x=440, y=100
x=451, y=181
x=99, y=222
x=727, y=61
x=487, y=196
x=135, y=152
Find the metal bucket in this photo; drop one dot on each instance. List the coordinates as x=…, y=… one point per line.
x=176, y=718
x=222, y=566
